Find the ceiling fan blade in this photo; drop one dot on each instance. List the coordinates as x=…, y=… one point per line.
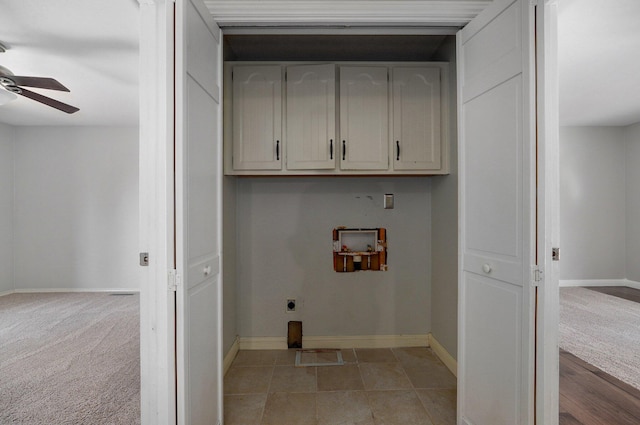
x=38, y=82
x=48, y=101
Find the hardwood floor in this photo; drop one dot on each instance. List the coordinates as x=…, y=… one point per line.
x=589, y=396
x=625, y=292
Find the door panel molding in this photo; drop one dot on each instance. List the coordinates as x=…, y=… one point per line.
x=198, y=195
x=497, y=142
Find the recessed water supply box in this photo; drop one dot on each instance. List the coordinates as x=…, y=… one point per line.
x=359, y=249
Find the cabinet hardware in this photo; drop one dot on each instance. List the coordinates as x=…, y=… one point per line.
x=344, y=149
x=330, y=148
x=277, y=150
x=397, y=150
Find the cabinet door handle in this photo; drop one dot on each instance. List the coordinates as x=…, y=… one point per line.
x=344, y=149
x=277, y=150
x=397, y=150
x=331, y=148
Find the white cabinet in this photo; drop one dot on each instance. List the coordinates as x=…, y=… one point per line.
x=257, y=117
x=416, y=118
x=364, y=118
x=343, y=118
x=311, y=117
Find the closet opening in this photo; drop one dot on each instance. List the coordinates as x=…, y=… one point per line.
x=277, y=247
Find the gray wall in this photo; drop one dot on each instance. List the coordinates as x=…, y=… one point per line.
x=229, y=299
x=76, y=208
x=444, y=224
x=592, y=203
x=284, y=250
x=632, y=156
x=7, y=136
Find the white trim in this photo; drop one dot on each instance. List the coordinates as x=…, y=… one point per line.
x=231, y=355
x=157, y=302
x=351, y=341
x=47, y=290
x=600, y=282
x=341, y=30
x=263, y=343
x=9, y=292
x=443, y=355
x=346, y=12
x=547, y=373
x=366, y=341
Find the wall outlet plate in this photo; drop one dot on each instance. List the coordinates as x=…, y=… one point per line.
x=388, y=201
x=291, y=305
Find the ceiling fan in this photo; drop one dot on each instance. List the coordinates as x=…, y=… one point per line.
x=15, y=84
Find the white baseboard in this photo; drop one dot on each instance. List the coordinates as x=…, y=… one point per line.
x=231, y=355
x=600, y=282
x=355, y=341
x=263, y=343
x=2, y=294
x=365, y=341
x=47, y=290
x=444, y=355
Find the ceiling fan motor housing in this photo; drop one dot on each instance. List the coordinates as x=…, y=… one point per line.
x=9, y=84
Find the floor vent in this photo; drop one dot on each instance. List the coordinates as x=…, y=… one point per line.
x=307, y=358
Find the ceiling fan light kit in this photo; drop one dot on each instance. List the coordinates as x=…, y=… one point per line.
x=6, y=97
x=14, y=84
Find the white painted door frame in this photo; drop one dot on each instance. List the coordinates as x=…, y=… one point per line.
x=547, y=373
x=157, y=301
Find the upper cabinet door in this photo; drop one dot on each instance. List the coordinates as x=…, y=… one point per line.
x=311, y=117
x=257, y=117
x=416, y=119
x=364, y=118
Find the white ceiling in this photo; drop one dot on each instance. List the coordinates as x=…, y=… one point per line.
x=91, y=46
x=599, y=62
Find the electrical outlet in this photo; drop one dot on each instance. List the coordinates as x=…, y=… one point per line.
x=291, y=305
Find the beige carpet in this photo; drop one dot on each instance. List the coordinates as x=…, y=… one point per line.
x=603, y=330
x=69, y=358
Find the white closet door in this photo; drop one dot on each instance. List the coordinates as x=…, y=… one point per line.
x=496, y=78
x=311, y=117
x=198, y=219
x=364, y=118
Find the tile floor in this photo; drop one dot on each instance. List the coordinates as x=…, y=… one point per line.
x=402, y=386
